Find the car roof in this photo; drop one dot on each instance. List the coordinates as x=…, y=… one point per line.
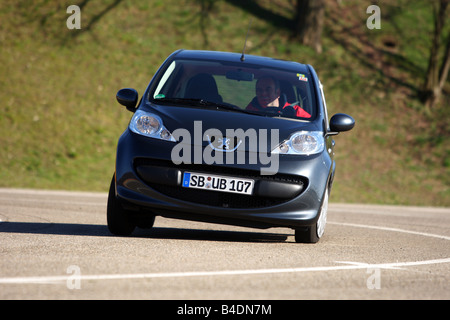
x=235, y=57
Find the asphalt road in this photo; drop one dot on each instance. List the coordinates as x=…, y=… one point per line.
x=55, y=245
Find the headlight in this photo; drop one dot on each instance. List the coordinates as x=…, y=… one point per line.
x=149, y=125
x=302, y=143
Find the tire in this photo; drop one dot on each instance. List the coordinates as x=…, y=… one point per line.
x=118, y=219
x=313, y=233
x=146, y=223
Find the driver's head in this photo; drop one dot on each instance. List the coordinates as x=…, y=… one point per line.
x=268, y=91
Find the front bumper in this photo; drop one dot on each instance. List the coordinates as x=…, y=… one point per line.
x=147, y=179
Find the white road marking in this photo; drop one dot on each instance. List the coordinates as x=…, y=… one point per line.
x=36, y=192
x=36, y=202
x=391, y=229
x=59, y=279
x=365, y=265
x=383, y=209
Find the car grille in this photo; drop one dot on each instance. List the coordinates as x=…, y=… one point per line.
x=215, y=198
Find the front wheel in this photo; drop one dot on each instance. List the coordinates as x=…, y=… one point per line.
x=313, y=233
x=118, y=219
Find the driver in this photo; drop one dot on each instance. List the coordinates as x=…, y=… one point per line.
x=268, y=96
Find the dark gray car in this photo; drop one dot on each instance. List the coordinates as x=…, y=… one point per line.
x=225, y=139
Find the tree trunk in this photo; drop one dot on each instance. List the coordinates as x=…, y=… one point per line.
x=309, y=23
x=436, y=75
x=443, y=73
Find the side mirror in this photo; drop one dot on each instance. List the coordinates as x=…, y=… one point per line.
x=128, y=97
x=341, y=122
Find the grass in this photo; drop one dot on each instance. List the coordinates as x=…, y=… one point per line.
x=59, y=121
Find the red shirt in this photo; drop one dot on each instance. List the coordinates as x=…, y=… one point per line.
x=300, y=113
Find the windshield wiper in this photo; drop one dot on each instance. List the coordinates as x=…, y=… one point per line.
x=184, y=101
x=204, y=103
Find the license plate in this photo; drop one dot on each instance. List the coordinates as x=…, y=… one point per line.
x=218, y=183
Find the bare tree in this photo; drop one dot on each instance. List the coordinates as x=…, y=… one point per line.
x=206, y=7
x=309, y=22
x=437, y=73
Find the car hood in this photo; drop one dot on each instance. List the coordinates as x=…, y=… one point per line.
x=201, y=121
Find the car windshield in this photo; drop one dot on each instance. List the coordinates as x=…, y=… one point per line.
x=250, y=88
